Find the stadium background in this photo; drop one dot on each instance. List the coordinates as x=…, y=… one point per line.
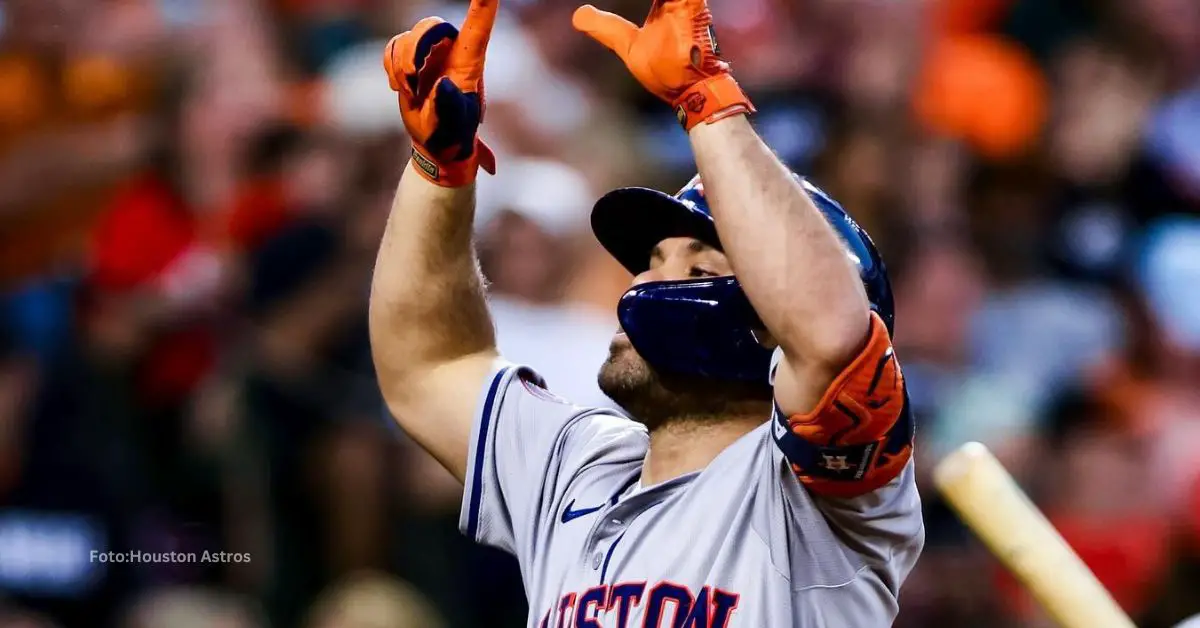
x=191, y=192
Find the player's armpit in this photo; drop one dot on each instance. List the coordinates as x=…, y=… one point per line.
x=859, y=436
x=437, y=406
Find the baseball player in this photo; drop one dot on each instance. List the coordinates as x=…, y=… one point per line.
x=765, y=478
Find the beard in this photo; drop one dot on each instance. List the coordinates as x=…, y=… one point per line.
x=655, y=399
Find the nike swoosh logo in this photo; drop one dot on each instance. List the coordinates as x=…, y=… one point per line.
x=569, y=514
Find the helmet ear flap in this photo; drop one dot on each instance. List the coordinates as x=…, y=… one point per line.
x=708, y=327
x=703, y=327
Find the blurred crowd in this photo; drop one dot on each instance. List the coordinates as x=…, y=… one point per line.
x=191, y=193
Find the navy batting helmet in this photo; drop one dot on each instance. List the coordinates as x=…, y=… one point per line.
x=706, y=326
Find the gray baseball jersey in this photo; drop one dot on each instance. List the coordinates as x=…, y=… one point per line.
x=741, y=543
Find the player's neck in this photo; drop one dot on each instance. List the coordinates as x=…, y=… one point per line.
x=681, y=447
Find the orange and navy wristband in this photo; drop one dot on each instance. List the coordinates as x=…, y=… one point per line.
x=712, y=99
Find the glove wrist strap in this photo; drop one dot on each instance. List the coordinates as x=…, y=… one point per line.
x=712, y=99
x=456, y=173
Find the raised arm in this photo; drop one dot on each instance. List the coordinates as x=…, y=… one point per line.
x=789, y=260
x=431, y=337
x=842, y=419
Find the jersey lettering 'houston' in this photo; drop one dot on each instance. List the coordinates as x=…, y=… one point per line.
x=755, y=539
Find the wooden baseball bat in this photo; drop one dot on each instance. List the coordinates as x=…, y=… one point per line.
x=989, y=501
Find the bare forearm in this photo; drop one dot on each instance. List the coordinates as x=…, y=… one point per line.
x=427, y=305
x=787, y=257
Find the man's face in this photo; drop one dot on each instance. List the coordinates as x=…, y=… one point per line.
x=653, y=397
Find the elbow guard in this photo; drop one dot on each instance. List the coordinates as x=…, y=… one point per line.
x=860, y=435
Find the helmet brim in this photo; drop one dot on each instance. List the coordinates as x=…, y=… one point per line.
x=630, y=222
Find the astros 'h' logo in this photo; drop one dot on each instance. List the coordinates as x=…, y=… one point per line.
x=835, y=463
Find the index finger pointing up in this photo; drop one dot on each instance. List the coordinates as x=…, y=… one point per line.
x=477, y=29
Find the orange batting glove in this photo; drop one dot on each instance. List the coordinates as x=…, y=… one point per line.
x=674, y=55
x=438, y=72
